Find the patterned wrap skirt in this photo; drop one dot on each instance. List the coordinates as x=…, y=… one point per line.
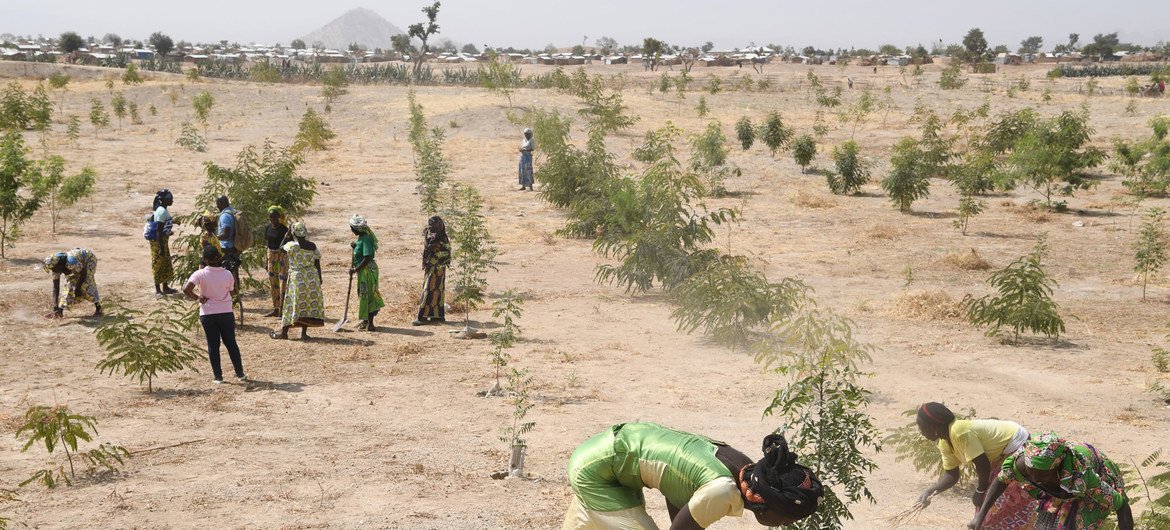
x=277, y=265
x=431, y=303
x=160, y=262
x=369, y=298
x=304, y=303
x=77, y=291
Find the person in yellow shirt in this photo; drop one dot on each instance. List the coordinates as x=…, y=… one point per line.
x=983, y=443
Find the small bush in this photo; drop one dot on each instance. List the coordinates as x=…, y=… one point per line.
x=952, y=77
x=141, y=345
x=190, y=138
x=313, y=133
x=131, y=75
x=804, y=150
x=55, y=427
x=1023, y=301
x=852, y=170
x=774, y=134
x=745, y=133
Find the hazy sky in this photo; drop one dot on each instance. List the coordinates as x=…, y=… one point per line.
x=856, y=23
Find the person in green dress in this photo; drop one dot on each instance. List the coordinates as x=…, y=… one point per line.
x=366, y=269
x=304, y=303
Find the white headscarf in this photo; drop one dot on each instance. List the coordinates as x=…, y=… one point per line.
x=357, y=221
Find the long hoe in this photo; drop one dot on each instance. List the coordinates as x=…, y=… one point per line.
x=345, y=315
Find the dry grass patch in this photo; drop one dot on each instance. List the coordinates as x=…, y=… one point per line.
x=927, y=305
x=968, y=261
x=1032, y=211
x=401, y=299
x=805, y=199
x=885, y=232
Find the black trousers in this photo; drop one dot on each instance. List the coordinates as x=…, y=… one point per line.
x=222, y=327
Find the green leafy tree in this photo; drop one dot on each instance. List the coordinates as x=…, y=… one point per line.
x=745, y=132
x=709, y=158
x=430, y=165
x=313, y=133
x=1150, y=247
x=40, y=109
x=474, y=252
x=1032, y=44
x=852, y=171
x=1023, y=301
x=703, y=109
x=141, y=345
x=519, y=382
x=118, y=105
x=60, y=82
x=652, y=50
x=59, y=191
x=499, y=77
x=131, y=75
x=1145, y=163
x=135, y=117
x=804, y=150
x=974, y=47
x=952, y=78
x=909, y=179
x=265, y=72
x=421, y=31
x=14, y=108
x=162, y=44
x=335, y=84
x=1053, y=156
x=98, y=117
x=510, y=306
x=202, y=104
x=774, y=134
x=56, y=427
x=190, y=138
x=73, y=129
x=69, y=43
x=823, y=406
x=18, y=197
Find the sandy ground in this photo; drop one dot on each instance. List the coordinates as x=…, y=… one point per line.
x=384, y=430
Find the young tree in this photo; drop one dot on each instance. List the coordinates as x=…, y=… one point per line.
x=98, y=117
x=909, y=180
x=162, y=44
x=852, y=170
x=131, y=75
x=652, y=51
x=14, y=111
x=335, y=84
x=975, y=47
x=59, y=191
x=60, y=82
x=709, y=158
x=474, y=252
x=55, y=427
x=1053, y=156
x=1145, y=163
x=510, y=306
x=202, y=104
x=804, y=149
x=313, y=133
x=1023, y=300
x=1150, y=247
x=499, y=77
x=774, y=134
x=40, y=109
x=518, y=384
x=118, y=104
x=19, y=199
x=745, y=133
x=141, y=345
x=606, y=45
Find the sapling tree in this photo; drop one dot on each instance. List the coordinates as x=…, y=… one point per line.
x=59, y=82
x=909, y=444
x=856, y=113
x=98, y=117
x=421, y=31
x=55, y=427
x=474, y=252
x=313, y=133
x=202, y=104
x=804, y=149
x=709, y=158
x=430, y=165
x=518, y=384
x=190, y=138
x=58, y=191
x=774, y=134
x=909, y=179
x=823, y=405
x=1145, y=163
x=141, y=345
x=703, y=109
x=1150, y=247
x=14, y=108
x=135, y=117
x=852, y=170
x=19, y=199
x=334, y=86
x=40, y=108
x=131, y=75
x=499, y=77
x=73, y=129
x=118, y=104
x=1023, y=299
x=1053, y=156
x=745, y=133
x=510, y=306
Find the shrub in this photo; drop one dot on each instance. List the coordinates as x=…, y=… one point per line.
x=851, y=172
x=909, y=180
x=141, y=345
x=702, y=109
x=1053, y=155
x=774, y=134
x=190, y=138
x=40, y=109
x=59, y=191
x=265, y=72
x=202, y=104
x=474, y=253
x=335, y=84
x=55, y=427
x=97, y=115
x=1023, y=301
x=131, y=75
x=1145, y=163
x=19, y=199
x=745, y=132
x=430, y=166
x=804, y=149
x=709, y=158
x=1150, y=247
x=499, y=77
x=14, y=108
x=313, y=133
x=952, y=77
x=118, y=104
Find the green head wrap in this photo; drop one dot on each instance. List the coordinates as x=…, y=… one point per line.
x=1044, y=452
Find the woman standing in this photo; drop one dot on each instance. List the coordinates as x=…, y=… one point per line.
x=1077, y=486
x=207, y=238
x=275, y=234
x=366, y=269
x=215, y=311
x=526, y=147
x=984, y=443
x=304, y=303
x=160, y=247
x=436, y=257
x=79, y=267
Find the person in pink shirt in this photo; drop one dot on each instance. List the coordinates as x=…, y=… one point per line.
x=215, y=285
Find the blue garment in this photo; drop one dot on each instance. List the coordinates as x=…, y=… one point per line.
x=526, y=168
x=227, y=225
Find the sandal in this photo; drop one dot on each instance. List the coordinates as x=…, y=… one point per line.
x=276, y=336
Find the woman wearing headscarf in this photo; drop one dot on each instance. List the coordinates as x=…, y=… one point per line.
x=304, y=303
x=366, y=269
x=526, y=147
x=1076, y=485
x=208, y=238
x=436, y=257
x=703, y=480
x=983, y=443
x=275, y=234
x=79, y=266
x=160, y=248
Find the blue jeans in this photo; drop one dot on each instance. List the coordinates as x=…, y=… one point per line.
x=217, y=327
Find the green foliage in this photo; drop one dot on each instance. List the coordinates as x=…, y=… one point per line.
x=59, y=191
x=265, y=72
x=161, y=43
x=774, y=134
x=709, y=158
x=664, y=83
x=910, y=444
x=856, y=113
x=1023, y=301
x=1150, y=247
x=335, y=84
x=499, y=77
x=118, y=104
x=519, y=382
x=823, y=406
x=135, y=118
x=202, y=104
x=733, y=303
x=952, y=77
x=73, y=129
x=190, y=138
x=18, y=197
x=714, y=85
x=313, y=133
x=59, y=81
x=745, y=132
x=98, y=117
x=909, y=180
x=40, y=108
x=510, y=306
x=804, y=150
x=430, y=166
x=703, y=109
x=70, y=42
x=475, y=252
x=1145, y=163
x=852, y=171
x=141, y=345
x=654, y=225
x=606, y=112
x=193, y=74
x=14, y=108
x=1053, y=155
x=131, y=75
x=56, y=427
x=421, y=31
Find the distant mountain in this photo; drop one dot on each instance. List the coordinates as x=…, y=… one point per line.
x=359, y=25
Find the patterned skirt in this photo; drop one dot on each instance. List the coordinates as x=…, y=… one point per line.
x=304, y=304
x=1013, y=510
x=431, y=303
x=160, y=262
x=77, y=291
x=369, y=297
x=277, y=275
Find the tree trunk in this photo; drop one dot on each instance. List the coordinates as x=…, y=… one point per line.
x=516, y=461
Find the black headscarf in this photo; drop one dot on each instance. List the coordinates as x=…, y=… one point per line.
x=787, y=488
x=163, y=195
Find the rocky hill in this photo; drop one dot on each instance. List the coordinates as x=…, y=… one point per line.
x=359, y=25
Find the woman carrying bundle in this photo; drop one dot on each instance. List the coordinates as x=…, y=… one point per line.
x=703, y=480
x=159, y=234
x=984, y=443
x=304, y=303
x=369, y=297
